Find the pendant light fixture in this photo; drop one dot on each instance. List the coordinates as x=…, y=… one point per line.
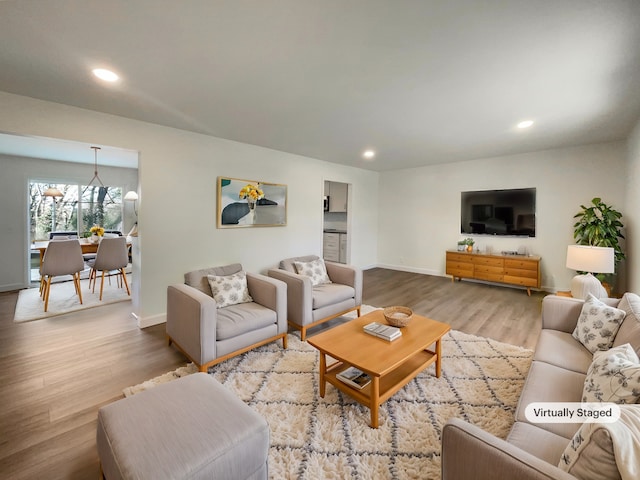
x=96, y=177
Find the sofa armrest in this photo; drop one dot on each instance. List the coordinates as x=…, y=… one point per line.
x=191, y=322
x=346, y=275
x=470, y=452
x=299, y=295
x=270, y=293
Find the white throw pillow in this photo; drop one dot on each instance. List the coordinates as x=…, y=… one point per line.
x=613, y=376
x=229, y=289
x=598, y=324
x=315, y=269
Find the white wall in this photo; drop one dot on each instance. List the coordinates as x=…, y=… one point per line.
x=420, y=208
x=632, y=205
x=14, y=228
x=178, y=172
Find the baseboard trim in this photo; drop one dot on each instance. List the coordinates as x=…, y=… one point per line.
x=144, y=322
x=405, y=268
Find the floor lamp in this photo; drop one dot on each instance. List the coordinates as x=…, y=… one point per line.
x=585, y=258
x=53, y=192
x=132, y=196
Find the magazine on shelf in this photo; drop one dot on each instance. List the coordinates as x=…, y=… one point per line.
x=383, y=331
x=354, y=377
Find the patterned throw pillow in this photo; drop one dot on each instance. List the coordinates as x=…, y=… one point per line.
x=598, y=324
x=230, y=289
x=613, y=376
x=315, y=269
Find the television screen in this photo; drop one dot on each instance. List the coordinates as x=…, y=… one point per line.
x=499, y=212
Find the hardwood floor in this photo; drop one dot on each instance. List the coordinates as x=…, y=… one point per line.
x=57, y=372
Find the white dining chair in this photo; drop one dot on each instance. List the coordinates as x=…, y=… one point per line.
x=112, y=255
x=62, y=257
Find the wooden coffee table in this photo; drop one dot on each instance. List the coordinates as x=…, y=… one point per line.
x=391, y=365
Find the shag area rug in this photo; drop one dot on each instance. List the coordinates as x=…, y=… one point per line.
x=63, y=299
x=313, y=437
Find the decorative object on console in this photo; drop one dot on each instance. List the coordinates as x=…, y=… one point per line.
x=250, y=203
x=585, y=258
x=398, y=316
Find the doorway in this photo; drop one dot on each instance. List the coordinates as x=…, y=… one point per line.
x=335, y=225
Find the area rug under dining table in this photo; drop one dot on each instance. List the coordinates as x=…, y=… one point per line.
x=313, y=437
x=63, y=299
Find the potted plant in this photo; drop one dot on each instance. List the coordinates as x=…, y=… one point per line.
x=469, y=242
x=599, y=225
x=462, y=245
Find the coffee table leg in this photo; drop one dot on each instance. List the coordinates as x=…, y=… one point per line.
x=375, y=401
x=323, y=368
x=438, y=358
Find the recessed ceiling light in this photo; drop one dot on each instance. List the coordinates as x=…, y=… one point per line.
x=525, y=124
x=106, y=75
x=369, y=154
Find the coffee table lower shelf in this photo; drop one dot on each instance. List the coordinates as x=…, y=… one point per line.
x=382, y=387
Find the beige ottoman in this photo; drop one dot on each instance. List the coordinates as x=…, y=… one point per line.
x=191, y=428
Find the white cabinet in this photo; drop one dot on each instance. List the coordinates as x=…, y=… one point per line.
x=337, y=193
x=331, y=247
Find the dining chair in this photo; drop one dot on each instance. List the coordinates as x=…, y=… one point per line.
x=112, y=255
x=62, y=257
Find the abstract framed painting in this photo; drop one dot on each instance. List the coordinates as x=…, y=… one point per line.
x=250, y=203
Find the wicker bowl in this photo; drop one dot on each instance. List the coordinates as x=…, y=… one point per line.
x=398, y=316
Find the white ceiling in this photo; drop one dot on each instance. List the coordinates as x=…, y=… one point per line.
x=419, y=81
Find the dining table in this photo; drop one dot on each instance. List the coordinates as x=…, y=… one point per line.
x=86, y=245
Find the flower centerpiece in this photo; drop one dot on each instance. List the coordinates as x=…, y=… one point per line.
x=96, y=233
x=252, y=193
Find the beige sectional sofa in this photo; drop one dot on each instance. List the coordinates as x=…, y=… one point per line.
x=557, y=374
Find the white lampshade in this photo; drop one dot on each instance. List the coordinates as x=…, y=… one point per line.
x=131, y=196
x=585, y=258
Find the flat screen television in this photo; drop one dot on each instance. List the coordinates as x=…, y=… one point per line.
x=499, y=212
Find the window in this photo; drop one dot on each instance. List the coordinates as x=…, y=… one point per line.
x=77, y=210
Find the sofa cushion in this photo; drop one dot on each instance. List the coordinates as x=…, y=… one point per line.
x=598, y=324
x=198, y=278
x=593, y=451
x=331, y=294
x=561, y=349
x=614, y=376
x=538, y=442
x=229, y=289
x=242, y=318
x=630, y=329
x=315, y=269
x=548, y=383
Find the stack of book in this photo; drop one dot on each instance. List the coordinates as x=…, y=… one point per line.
x=383, y=331
x=354, y=377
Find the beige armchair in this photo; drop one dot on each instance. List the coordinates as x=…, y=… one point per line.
x=207, y=334
x=309, y=305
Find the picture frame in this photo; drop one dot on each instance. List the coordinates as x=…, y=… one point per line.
x=250, y=203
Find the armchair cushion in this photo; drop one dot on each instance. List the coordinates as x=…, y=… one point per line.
x=331, y=294
x=315, y=270
x=598, y=324
x=242, y=318
x=229, y=289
